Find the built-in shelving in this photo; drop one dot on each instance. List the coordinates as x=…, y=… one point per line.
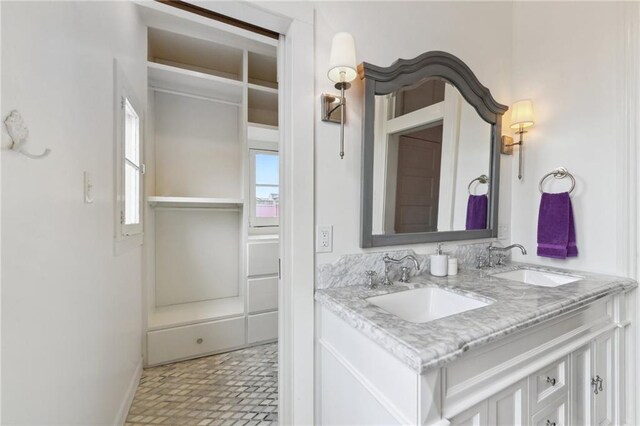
x=262, y=70
x=264, y=89
x=194, y=312
x=263, y=106
x=212, y=98
x=195, y=54
x=171, y=78
x=202, y=202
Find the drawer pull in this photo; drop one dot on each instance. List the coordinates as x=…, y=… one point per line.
x=551, y=381
x=550, y=423
x=597, y=384
x=199, y=341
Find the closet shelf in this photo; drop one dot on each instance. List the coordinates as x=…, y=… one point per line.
x=161, y=201
x=194, y=83
x=261, y=88
x=195, y=312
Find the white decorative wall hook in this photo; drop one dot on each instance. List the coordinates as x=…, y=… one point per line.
x=19, y=133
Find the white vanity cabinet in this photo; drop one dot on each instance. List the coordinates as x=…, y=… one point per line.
x=566, y=370
x=594, y=381
x=507, y=407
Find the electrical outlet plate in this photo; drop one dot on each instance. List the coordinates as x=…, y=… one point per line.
x=324, y=239
x=503, y=232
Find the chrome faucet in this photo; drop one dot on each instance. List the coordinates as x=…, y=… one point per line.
x=488, y=261
x=405, y=271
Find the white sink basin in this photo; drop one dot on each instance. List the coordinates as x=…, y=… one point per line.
x=425, y=304
x=541, y=278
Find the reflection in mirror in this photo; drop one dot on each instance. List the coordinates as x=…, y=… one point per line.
x=432, y=156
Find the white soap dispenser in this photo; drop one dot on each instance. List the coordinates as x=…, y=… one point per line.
x=439, y=263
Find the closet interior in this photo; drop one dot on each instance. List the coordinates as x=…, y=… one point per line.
x=211, y=149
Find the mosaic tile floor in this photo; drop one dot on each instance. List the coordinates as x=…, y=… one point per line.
x=235, y=388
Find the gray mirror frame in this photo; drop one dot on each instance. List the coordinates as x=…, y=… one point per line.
x=404, y=72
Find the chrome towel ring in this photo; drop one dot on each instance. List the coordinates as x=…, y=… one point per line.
x=481, y=179
x=559, y=173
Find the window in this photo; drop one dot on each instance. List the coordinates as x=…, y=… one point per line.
x=129, y=166
x=265, y=190
x=130, y=217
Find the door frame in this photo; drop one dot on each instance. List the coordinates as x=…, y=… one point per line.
x=628, y=196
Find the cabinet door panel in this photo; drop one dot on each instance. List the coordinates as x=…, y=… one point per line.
x=509, y=406
x=581, y=390
x=474, y=416
x=604, y=375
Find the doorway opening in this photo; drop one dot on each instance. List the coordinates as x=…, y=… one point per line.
x=212, y=225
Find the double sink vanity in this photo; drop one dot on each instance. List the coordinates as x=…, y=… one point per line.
x=497, y=344
x=510, y=345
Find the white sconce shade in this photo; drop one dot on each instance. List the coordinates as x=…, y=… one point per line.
x=342, y=62
x=522, y=114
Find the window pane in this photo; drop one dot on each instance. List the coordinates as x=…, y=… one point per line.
x=132, y=134
x=267, y=201
x=131, y=195
x=267, y=169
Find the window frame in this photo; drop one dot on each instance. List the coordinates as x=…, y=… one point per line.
x=124, y=94
x=260, y=222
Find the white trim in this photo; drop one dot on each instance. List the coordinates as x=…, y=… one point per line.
x=449, y=163
x=627, y=158
x=130, y=393
x=1, y=155
x=155, y=14
x=416, y=119
x=297, y=213
x=370, y=387
x=628, y=195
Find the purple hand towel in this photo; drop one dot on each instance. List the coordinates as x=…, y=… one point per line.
x=556, y=230
x=477, y=212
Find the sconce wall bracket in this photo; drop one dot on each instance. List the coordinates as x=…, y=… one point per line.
x=506, y=145
x=330, y=107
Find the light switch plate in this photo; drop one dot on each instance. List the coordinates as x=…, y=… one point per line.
x=88, y=188
x=324, y=239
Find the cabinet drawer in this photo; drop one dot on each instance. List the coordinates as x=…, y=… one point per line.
x=548, y=384
x=263, y=327
x=262, y=294
x=262, y=258
x=193, y=340
x=554, y=414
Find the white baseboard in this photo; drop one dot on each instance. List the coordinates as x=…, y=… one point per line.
x=127, y=400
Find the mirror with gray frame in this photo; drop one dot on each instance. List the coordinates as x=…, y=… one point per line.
x=430, y=153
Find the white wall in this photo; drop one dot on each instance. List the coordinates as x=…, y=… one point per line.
x=385, y=31
x=569, y=67
x=197, y=147
x=71, y=310
x=197, y=255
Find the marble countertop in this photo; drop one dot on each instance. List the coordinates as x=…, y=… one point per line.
x=516, y=306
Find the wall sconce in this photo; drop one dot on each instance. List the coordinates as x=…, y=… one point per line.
x=521, y=118
x=342, y=70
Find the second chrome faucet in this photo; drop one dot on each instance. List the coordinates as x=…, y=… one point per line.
x=404, y=277
x=488, y=261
